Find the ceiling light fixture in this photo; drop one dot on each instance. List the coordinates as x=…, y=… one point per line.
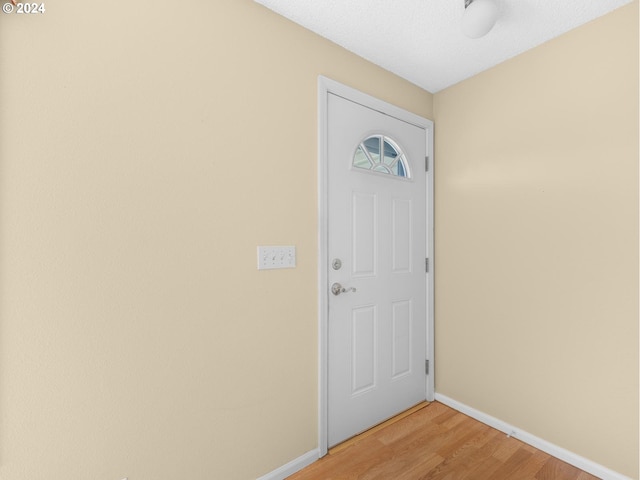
x=479, y=17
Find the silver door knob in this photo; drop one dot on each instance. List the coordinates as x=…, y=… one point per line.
x=337, y=289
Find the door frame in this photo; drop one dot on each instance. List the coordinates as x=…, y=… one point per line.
x=327, y=86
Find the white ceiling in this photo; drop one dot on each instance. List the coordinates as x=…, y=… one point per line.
x=421, y=41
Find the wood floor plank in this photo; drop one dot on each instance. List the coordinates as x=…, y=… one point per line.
x=377, y=428
x=476, y=451
x=512, y=463
x=586, y=476
x=482, y=470
x=529, y=469
x=404, y=430
x=507, y=447
x=555, y=469
x=439, y=443
x=460, y=435
x=445, y=415
x=483, y=464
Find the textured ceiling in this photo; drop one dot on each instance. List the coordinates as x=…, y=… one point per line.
x=421, y=41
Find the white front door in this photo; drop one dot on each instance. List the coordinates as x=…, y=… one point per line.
x=377, y=246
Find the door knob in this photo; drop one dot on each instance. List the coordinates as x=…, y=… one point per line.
x=337, y=289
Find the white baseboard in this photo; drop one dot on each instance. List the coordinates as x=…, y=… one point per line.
x=293, y=466
x=565, y=455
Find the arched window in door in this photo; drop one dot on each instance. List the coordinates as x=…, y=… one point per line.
x=379, y=153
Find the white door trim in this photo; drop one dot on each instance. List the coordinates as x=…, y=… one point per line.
x=326, y=86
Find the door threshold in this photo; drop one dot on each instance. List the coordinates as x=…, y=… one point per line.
x=355, y=439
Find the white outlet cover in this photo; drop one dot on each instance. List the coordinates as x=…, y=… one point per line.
x=271, y=257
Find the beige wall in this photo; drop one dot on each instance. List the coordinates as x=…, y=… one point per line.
x=537, y=241
x=147, y=149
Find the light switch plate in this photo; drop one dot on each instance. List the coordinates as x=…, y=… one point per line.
x=276, y=257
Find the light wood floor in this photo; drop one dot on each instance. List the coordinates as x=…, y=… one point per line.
x=439, y=443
